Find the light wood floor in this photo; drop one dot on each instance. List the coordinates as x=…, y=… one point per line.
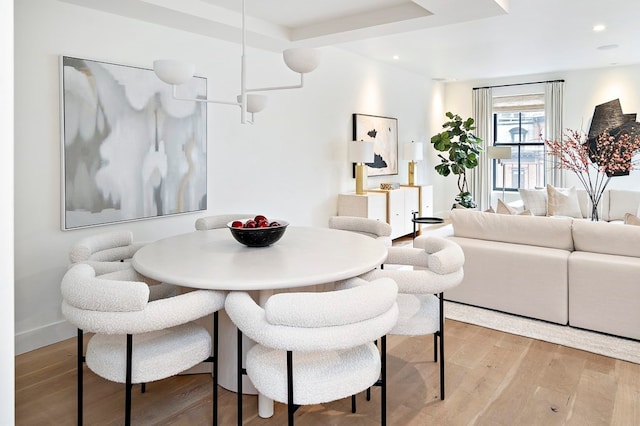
x=492, y=378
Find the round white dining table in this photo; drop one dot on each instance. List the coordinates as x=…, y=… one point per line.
x=214, y=260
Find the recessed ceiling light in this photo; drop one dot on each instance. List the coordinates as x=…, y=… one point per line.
x=598, y=28
x=608, y=47
x=396, y=57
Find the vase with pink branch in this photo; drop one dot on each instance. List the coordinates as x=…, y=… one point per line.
x=595, y=161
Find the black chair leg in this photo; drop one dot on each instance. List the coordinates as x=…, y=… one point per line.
x=215, y=368
x=441, y=336
x=383, y=379
x=290, y=407
x=239, y=376
x=435, y=347
x=353, y=403
x=80, y=355
x=127, y=404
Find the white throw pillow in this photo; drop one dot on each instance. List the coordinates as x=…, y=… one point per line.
x=534, y=200
x=563, y=202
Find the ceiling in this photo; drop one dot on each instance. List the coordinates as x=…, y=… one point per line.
x=441, y=39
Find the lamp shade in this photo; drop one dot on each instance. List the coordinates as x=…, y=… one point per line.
x=412, y=151
x=499, y=152
x=255, y=103
x=301, y=59
x=173, y=72
x=360, y=152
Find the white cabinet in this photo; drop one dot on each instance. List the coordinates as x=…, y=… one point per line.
x=425, y=194
x=426, y=201
x=372, y=205
x=393, y=206
x=402, y=202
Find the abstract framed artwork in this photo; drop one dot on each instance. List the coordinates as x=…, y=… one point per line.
x=129, y=150
x=383, y=131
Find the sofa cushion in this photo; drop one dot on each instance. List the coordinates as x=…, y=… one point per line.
x=503, y=208
x=604, y=293
x=563, y=202
x=519, y=279
x=534, y=200
x=606, y=238
x=622, y=202
x=631, y=219
x=530, y=230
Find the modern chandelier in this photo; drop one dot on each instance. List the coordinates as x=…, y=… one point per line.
x=301, y=60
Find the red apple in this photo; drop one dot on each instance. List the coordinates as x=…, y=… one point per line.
x=274, y=223
x=250, y=224
x=236, y=224
x=259, y=217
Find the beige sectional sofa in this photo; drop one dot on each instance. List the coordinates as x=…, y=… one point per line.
x=558, y=269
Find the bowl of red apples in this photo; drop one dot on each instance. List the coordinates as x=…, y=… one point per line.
x=258, y=231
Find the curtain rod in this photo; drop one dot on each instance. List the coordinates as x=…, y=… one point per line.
x=519, y=84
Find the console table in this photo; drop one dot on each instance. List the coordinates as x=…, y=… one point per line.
x=394, y=206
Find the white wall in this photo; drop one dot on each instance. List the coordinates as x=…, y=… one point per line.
x=584, y=90
x=6, y=214
x=290, y=165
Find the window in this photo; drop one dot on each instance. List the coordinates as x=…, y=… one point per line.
x=519, y=122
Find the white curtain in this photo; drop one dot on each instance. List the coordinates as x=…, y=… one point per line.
x=553, y=102
x=480, y=177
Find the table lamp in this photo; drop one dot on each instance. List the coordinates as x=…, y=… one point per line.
x=413, y=153
x=361, y=152
x=500, y=153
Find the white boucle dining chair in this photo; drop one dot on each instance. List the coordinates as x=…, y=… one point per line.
x=136, y=339
x=362, y=225
x=313, y=348
x=437, y=266
x=105, y=252
x=219, y=221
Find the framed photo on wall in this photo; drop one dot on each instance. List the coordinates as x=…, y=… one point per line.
x=383, y=131
x=129, y=150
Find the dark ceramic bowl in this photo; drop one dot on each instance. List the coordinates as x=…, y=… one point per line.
x=258, y=237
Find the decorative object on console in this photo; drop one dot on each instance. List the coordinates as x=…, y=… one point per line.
x=413, y=153
x=300, y=60
x=129, y=151
x=501, y=153
x=389, y=186
x=607, y=156
x=383, y=132
x=462, y=148
x=360, y=153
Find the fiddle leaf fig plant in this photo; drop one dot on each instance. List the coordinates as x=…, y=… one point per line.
x=462, y=150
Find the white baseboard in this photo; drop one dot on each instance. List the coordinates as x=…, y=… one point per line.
x=43, y=336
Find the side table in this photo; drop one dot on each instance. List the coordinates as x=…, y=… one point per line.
x=424, y=220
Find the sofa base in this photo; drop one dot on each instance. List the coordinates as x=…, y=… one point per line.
x=517, y=282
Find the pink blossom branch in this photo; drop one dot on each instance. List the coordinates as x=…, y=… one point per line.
x=607, y=157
